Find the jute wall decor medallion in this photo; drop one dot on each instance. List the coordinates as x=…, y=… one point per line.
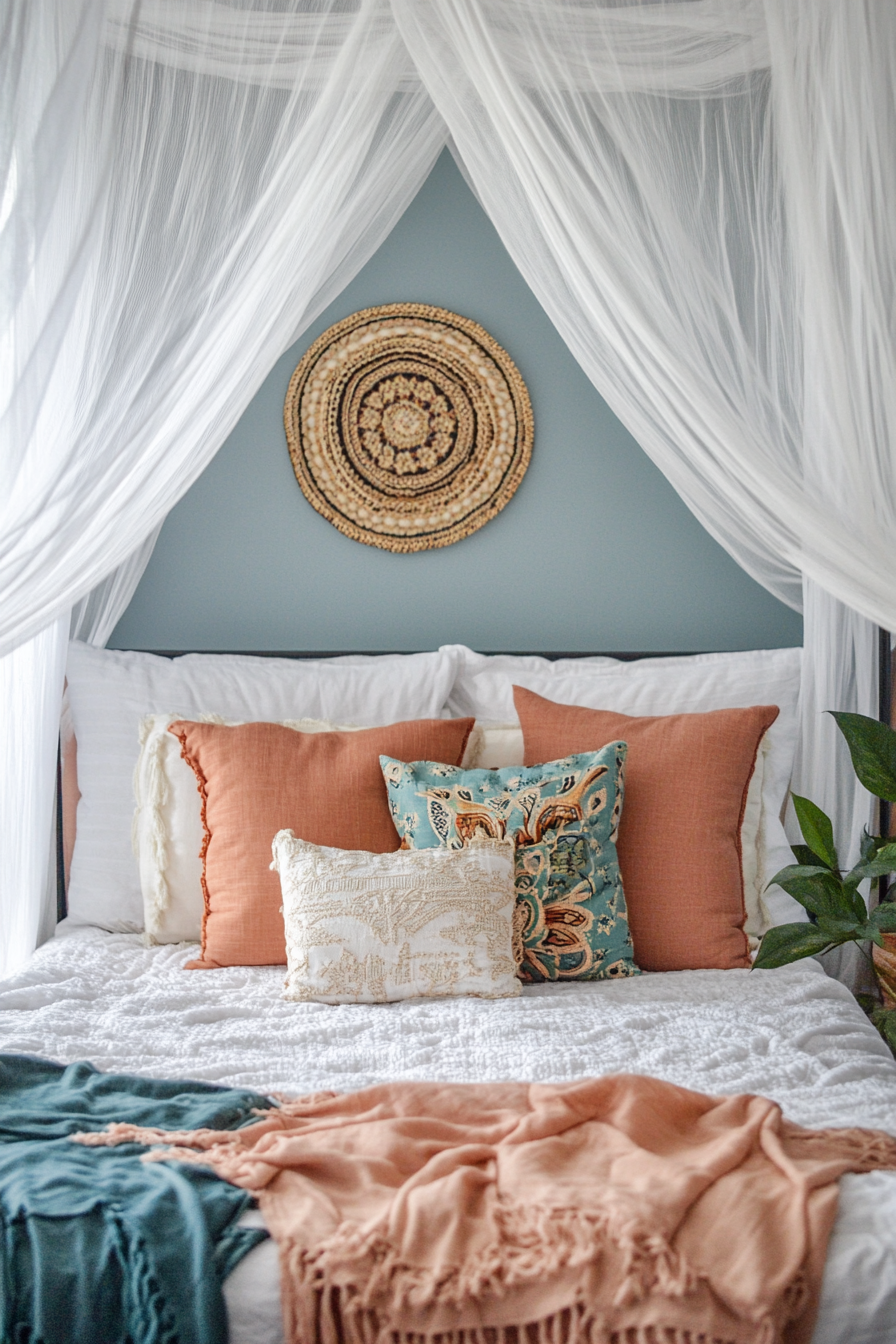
x=408, y=426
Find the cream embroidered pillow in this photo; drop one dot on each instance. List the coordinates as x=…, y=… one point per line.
x=373, y=928
x=167, y=828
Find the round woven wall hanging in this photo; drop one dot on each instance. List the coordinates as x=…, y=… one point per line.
x=408, y=426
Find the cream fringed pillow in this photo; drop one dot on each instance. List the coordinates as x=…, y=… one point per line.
x=167, y=827
x=373, y=928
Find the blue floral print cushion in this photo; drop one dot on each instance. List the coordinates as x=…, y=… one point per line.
x=564, y=817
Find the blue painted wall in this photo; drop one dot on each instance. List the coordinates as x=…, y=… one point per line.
x=594, y=552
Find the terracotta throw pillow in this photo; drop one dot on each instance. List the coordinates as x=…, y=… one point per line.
x=686, y=782
x=260, y=778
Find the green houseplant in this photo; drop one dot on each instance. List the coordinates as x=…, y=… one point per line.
x=831, y=897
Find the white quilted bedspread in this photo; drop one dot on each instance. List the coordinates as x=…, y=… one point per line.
x=794, y=1035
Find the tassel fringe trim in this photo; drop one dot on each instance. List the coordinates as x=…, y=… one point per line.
x=576, y=1324
x=534, y=1243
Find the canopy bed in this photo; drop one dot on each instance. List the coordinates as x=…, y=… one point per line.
x=700, y=195
x=124, y=1001
x=723, y=325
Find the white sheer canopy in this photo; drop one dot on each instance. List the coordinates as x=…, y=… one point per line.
x=186, y=186
x=703, y=197
x=700, y=192
x=227, y=169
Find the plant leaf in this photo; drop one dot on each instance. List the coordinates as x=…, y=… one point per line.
x=883, y=862
x=791, y=942
x=884, y=917
x=817, y=830
x=885, y=850
x=800, y=870
x=805, y=857
x=802, y=885
x=859, y=908
x=869, y=932
x=850, y=926
x=870, y=844
x=851, y=931
x=872, y=746
x=819, y=891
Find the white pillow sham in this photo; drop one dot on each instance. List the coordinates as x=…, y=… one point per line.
x=675, y=685
x=491, y=746
x=375, y=928
x=111, y=691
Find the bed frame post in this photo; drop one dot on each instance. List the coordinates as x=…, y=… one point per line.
x=61, y=910
x=885, y=714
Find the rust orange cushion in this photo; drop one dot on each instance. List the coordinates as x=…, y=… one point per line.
x=256, y=779
x=686, y=780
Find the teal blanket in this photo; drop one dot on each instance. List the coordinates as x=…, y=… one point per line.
x=96, y=1245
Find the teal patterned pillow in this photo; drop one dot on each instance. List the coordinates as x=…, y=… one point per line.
x=564, y=817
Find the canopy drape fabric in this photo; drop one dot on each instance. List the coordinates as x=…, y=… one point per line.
x=224, y=171
x=839, y=671
x=702, y=195
x=699, y=192
x=184, y=187
x=30, y=699
x=95, y=617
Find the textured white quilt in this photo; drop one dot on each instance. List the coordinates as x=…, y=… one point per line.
x=794, y=1035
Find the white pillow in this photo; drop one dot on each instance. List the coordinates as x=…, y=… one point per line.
x=167, y=827
x=374, y=928
x=492, y=746
x=111, y=691
x=674, y=685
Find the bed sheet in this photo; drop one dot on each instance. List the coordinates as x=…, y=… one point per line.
x=792, y=1034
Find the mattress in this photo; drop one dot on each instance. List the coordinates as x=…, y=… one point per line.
x=791, y=1034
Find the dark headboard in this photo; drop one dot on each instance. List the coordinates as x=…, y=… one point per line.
x=388, y=653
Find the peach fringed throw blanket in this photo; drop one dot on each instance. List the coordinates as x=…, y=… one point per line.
x=619, y=1210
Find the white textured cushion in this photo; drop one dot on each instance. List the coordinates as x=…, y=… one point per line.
x=675, y=685
x=374, y=928
x=492, y=746
x=167, y=829
x=112, y=691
